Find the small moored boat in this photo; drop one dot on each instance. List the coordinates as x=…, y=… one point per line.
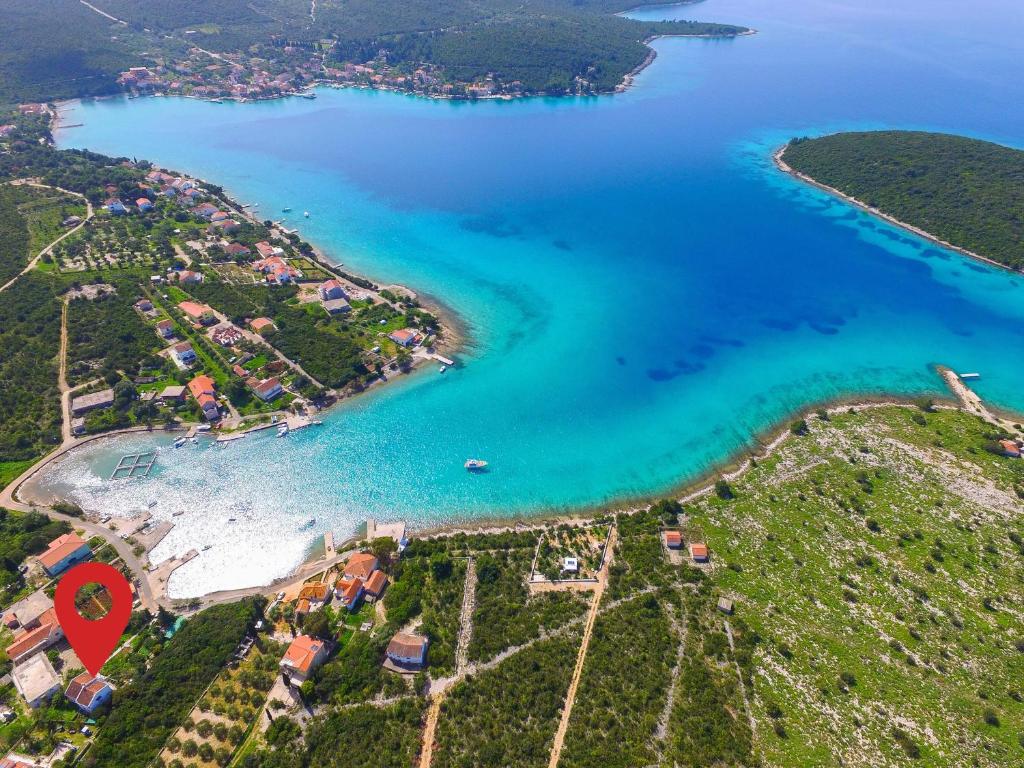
x=474, y=465
x=282, y=431
x=179, y=442
x=442, y=369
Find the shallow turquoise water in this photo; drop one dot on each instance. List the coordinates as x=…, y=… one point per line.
x=644, y=291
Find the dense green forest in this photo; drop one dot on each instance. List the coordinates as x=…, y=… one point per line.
x=29, y=342
x=14, y=237
x=967, y=192
x=55, y=49
x=58, y=49
x=147, y=710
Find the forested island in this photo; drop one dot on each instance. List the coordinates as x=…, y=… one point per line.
x=57, y=49
x=965, y=192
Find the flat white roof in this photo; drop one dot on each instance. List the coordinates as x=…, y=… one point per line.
x=35, y=678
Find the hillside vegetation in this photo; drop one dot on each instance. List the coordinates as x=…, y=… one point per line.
x=967, y=192
x=55, y=49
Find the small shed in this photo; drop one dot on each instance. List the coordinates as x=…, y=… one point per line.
x=571, y=565
x=725, y=605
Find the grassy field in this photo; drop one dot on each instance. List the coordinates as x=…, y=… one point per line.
x=879, y=558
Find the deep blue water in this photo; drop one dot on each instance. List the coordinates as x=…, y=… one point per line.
x=644, y=291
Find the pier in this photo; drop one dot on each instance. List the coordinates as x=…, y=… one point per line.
x=134, y=465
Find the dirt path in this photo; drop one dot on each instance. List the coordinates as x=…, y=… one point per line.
x=739, y=676
x=570, y=696
x=48, y=249
x=461, y=661
x=62, y=376
x=429, y=731
x=661, y=732
x=466, y=618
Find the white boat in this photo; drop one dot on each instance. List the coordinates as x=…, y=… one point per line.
x=442, y=369
x=179, y=442
x=203, y=428
x=306, y=214
x=208, y=546
x=286, y=210
x=178, y=514
x=475, y=464
x=282, y=431
x=308, y=524
x=968, y=376
x=317, y=422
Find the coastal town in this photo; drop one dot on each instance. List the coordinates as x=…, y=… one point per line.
x=234, y=323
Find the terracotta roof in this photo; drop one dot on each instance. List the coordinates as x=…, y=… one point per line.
x=376, y=583
x=15, y=761
x=314, y=592
x=60, y=548
x=349, y=589
x=406, y=645
x=47, y=633
x=302, y=653
x=699, y=550
x=202, y=384
x=84, y=689
x=673, y=538
x=192, y=309
x=259, y=323
x=360, y=565
x=302, y=606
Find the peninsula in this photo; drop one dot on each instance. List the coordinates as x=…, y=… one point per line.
x=964, y=193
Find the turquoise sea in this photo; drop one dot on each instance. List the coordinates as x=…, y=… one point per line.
x=644, y=291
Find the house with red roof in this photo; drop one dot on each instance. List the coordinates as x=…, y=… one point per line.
x=144, y=204
x=165, y=328
x=187, y=276
x=303, y=657
x=43, y=633
x=1010, y=448
x=199, y=313
x=348, y=591
x=203, y=390
x=673, y=539
x=63, y=552
x=331, y=289
x=375, y=585
x=266, y=250
x=14, y=760
x=408, y=650
x=236, y=250
x=360, y=566
x=206, y=210
x=223, y=226
x=89, y=693
x=699, y=552
x=406, y=337
x=267, y=389
x=259, y=324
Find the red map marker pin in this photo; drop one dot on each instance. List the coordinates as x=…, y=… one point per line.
x=93, y=641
